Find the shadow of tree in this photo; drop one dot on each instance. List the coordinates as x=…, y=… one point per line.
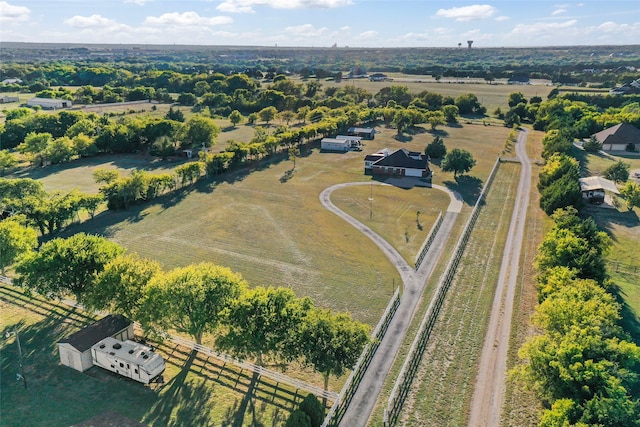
x=183, y=401
x=468, y=186
x=630, y=319
x=403, y=137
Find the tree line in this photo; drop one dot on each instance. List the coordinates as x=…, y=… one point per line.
x=582, y=364
x=204, y=301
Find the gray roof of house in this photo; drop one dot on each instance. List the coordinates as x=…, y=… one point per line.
x=404, y=158
x=619, y=134
x=109, y=325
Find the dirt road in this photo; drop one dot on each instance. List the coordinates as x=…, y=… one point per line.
x=364, y=400
x=488, y=396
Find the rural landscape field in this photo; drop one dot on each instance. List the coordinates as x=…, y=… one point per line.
x=377, y=312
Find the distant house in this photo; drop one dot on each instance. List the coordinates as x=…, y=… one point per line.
x=622, y=137
x=378, y=77
x=401, y=163
x=6, y=99
x=75, y=350
x=594, y=189
x=519, y=80
x=49, y=103
x=366, y=133
x=632, y=88
x=11, y=81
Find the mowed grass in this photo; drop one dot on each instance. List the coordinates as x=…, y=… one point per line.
x=198, y=390
x=274, y=231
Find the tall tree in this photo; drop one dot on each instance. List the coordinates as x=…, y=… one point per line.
x=120, y=287
x=332, y=343
x=458, y=161
x=66, y=266
x=200, y=131
x=618, y=172
x=436, y=148
x=264, y=321
x=191, y=299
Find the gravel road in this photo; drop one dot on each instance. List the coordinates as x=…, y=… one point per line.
x=488, y=396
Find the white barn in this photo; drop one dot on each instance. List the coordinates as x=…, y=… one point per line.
x=75, y=350
x=49, y=103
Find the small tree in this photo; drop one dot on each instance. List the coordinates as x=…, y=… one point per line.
x=458, y=161
x=436, y=120
x=436, y=148
x=450, y=113
x=631, y=192
x=592, y=145
x=311, y=406
x=267, y=114
x=294, y=152
x=618, y=172
x=7, y=161
x=235, y=117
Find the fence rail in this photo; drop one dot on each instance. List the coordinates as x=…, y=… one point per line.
x=274, y=375
x=428, y=241
x=619, y=267
x=349, y=389
x=403, y=382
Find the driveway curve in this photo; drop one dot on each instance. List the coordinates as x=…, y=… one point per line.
x=413, y=281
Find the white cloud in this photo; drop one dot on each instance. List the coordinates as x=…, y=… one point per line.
x=468, y=13
x=138, y=2
x=559, y=11
x=187, y=19
x=247, y=6
x=11, y=13
x=502, y=18
x=93, y=21
x=367, y=35
x=306, y=31
x=543, y=28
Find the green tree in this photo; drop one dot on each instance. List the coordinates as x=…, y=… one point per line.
x=557, y=166
x=15, y=240
x=200, y=131
x=631, y=192
x=436, y=148
x=267, y=114
x=120, y=287
x=458, y=161
x=331, y=343
x=298, y=419
x=311, y=406
x=511, y=118
x=7, y=161
x=34, y=146
x=235, y=117
x=191, y=299
x=450, y=113
x=515, y=98
x=618, y=172
x=561, y=193
x=436, y=120
x=592, y=145
x=263, y=322
x=66, y=266
x=59, y=150
x=163, y=147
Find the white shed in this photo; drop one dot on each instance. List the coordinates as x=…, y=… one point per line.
x=75, y=350
x=49, y=103
x=335, y=144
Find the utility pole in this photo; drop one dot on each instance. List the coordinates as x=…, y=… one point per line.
x=371, y=204
x=20, y=375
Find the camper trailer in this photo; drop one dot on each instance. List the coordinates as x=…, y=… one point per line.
x=129, y=359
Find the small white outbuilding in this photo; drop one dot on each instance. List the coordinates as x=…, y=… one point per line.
x=75, y=350
x=49, y=103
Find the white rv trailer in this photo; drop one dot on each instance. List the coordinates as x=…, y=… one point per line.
x=129, y=359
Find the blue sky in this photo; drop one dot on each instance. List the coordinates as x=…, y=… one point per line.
x=321, y=23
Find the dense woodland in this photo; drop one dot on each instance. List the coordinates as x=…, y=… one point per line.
x=583, y=365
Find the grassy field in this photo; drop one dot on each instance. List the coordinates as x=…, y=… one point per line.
x=274, y=231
